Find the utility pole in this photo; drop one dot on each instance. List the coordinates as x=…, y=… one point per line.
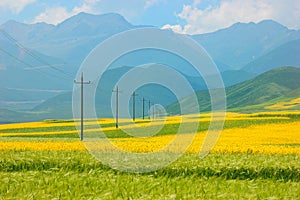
x=153, y=110
x=82, y=83
x=149, y=105
x=117, y=106
x=143, y=107
x=133, y=105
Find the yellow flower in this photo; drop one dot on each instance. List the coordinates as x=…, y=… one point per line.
x=277, y=138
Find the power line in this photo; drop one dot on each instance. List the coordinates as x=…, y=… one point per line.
x=26, y=64
x=21, y=61
x=48, y=74
x=34, y=68
x=33, y=55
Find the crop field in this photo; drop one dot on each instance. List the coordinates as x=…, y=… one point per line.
x=257, y=156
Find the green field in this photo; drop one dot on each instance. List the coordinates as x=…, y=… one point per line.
x=29, y=174
x=71, y=174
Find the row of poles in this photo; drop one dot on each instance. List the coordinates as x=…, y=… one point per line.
x=133, y=106
x=82, y=83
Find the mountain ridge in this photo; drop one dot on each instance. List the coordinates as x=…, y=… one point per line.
x=242, y=43
x=262, y=38
x=70, y=42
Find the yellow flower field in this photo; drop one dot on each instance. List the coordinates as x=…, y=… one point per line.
x=127, y=123
x=42, y=146
x=284, y=105
x=277, y=138
x=270, y=139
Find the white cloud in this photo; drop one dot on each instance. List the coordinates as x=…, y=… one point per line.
x=196, y=2
x=176, y=28
x=55, y=15
x=15, y=6
x=228, y=12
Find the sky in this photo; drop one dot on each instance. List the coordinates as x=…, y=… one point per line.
x=182, y=16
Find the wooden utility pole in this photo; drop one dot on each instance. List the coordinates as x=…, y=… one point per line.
x=133, y=105
x=149, y=106
x=153, y=110
x=81, y=82
x=117, y=106
x=143, y=107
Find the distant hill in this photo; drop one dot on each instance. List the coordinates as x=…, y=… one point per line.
x=284, y=55
x=275, y=84
x=268, y=86
x=278, y=85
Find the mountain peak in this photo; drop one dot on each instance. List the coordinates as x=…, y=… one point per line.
x=93, y=19
x=271, y=24
x=265, y=24
x=84, y=14
x=90, y=24
x=12, y=23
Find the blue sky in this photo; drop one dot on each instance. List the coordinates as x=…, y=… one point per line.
x=183, y=16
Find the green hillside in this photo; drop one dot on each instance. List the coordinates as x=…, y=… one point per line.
x=265, y=106
x=266, y=89
x=8, y=116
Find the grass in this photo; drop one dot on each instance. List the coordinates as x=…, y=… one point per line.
x=70, y=174
x=27, y=174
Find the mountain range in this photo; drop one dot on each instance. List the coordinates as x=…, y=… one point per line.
x=38, y=62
